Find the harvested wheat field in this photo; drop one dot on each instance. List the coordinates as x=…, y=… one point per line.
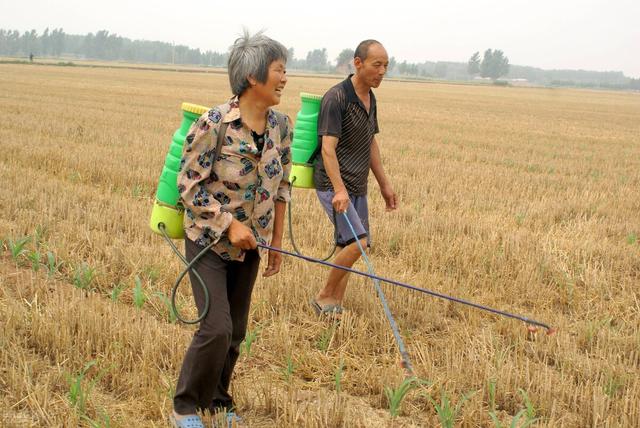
x=523, y=199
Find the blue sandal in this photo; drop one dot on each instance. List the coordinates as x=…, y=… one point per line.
x=193, y=421
x=231, y=420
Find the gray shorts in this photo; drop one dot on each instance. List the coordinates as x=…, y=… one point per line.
x=358, y=214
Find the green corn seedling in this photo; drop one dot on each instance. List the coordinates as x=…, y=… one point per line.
x=338, y=376
x=249, y=339
x=139, y=297
x=325, y=338
x=515, y=422
x=105, y=423
x=52, y=265
x=289, y=369
x=79, y=395
x=35, y=256
x=17, y=247
x=83, y=276
x=116, y=291
x=447, y=414
x=171, y=314
x=395, y=396
x=531, y=410
x=41, y=232
x=492, y=394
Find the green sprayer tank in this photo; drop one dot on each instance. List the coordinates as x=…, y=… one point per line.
x=167, y=208
x=305, y=141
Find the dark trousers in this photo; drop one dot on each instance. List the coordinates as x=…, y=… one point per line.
x=208, y=364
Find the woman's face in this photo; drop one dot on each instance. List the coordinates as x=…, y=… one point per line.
x=271, y=90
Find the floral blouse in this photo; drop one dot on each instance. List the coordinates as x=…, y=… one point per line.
x=244, y=183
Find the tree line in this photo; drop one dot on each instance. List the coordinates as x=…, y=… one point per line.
x=104, y=45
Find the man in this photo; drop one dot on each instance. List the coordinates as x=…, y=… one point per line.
x=347, y=125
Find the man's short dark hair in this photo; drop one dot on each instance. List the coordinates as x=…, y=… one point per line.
x=363, y=48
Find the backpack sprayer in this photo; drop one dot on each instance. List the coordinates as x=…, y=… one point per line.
x=167, y=216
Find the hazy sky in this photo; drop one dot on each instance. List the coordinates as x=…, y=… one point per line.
x=573, y=34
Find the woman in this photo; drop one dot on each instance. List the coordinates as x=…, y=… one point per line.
x=235, y=201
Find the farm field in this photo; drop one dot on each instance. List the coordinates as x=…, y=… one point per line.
x=522, y=199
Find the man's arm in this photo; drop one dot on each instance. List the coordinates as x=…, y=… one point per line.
x=330, y=160
x=390, y=197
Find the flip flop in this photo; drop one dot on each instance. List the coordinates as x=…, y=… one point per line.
x=330, y=309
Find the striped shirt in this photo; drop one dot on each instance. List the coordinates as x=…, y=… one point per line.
x=344, y=116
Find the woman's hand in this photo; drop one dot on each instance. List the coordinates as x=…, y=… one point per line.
x=273, y=265
x=241, y=236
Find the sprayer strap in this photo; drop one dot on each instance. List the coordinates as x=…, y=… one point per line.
x=221, y=134
x=281, y=118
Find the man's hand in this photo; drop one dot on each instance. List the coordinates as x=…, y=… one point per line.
x=273, y=265
x=241, y=236
x=390, y=198
x=340, y=201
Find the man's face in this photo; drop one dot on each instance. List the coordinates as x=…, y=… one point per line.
x=372, y=70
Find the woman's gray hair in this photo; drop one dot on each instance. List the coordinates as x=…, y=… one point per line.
x=252, y=56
